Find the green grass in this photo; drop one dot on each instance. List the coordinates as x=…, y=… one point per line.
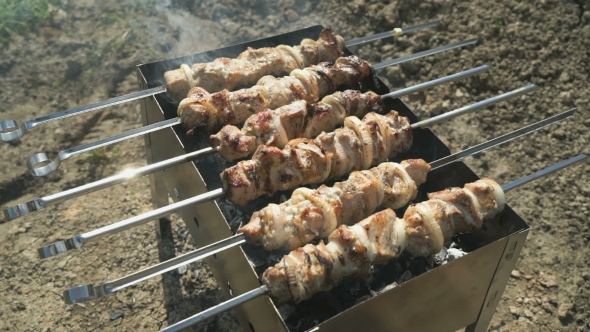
x=498, y=23
x=20, y=16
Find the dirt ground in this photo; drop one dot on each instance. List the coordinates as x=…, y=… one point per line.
x=88, y=50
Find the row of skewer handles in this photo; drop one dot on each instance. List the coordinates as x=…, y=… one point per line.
x=293, y=128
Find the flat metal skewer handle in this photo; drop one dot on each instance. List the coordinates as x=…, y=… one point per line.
x=10, y=131
x=19, y=210
x=79, y=293
x=40, y=164
x=37, y=204
x=263, y=290
x=395, y=32
x=78, y=241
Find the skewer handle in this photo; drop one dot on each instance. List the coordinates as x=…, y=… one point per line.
x=543, y=172
x=88, y=292
x=40, y=203
x=40, y=164
x=229, y=304
x=473, y=107
x=78, y=241
x=10, y=131
x=436, y=82
x=501, y=139
x=392, y=33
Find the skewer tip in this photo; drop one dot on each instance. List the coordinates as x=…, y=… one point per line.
x=59, y=247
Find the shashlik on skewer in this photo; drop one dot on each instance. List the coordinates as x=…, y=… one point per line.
x=297, y=120
x=381, y=237
x=381, y=251
x=202, y=109
x=90, y=292
x=251, y=65
x=79, y=240
x=359, y=145
x=303, y=120
x=313, y=214
x=40, y=203
x=41, y=165
x=226, y=149
x=9, y=130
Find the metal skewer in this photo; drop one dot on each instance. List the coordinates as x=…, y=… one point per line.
x=40, y=203
x=78, y=241
x=10, y=131
x=40, y=164
x=263, y=290
x=395, y=32
x=89, y=292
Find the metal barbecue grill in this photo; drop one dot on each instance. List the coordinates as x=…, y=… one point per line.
x=461, y=293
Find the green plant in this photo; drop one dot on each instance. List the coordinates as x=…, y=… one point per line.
x=498, y=23
x=99, y=154
x=20, y=16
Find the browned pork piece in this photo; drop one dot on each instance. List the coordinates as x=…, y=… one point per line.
x=297, y=120
x=352, y=250
x=251, y=65
x=359, y=145
x=211, y=111
x=311, y=214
